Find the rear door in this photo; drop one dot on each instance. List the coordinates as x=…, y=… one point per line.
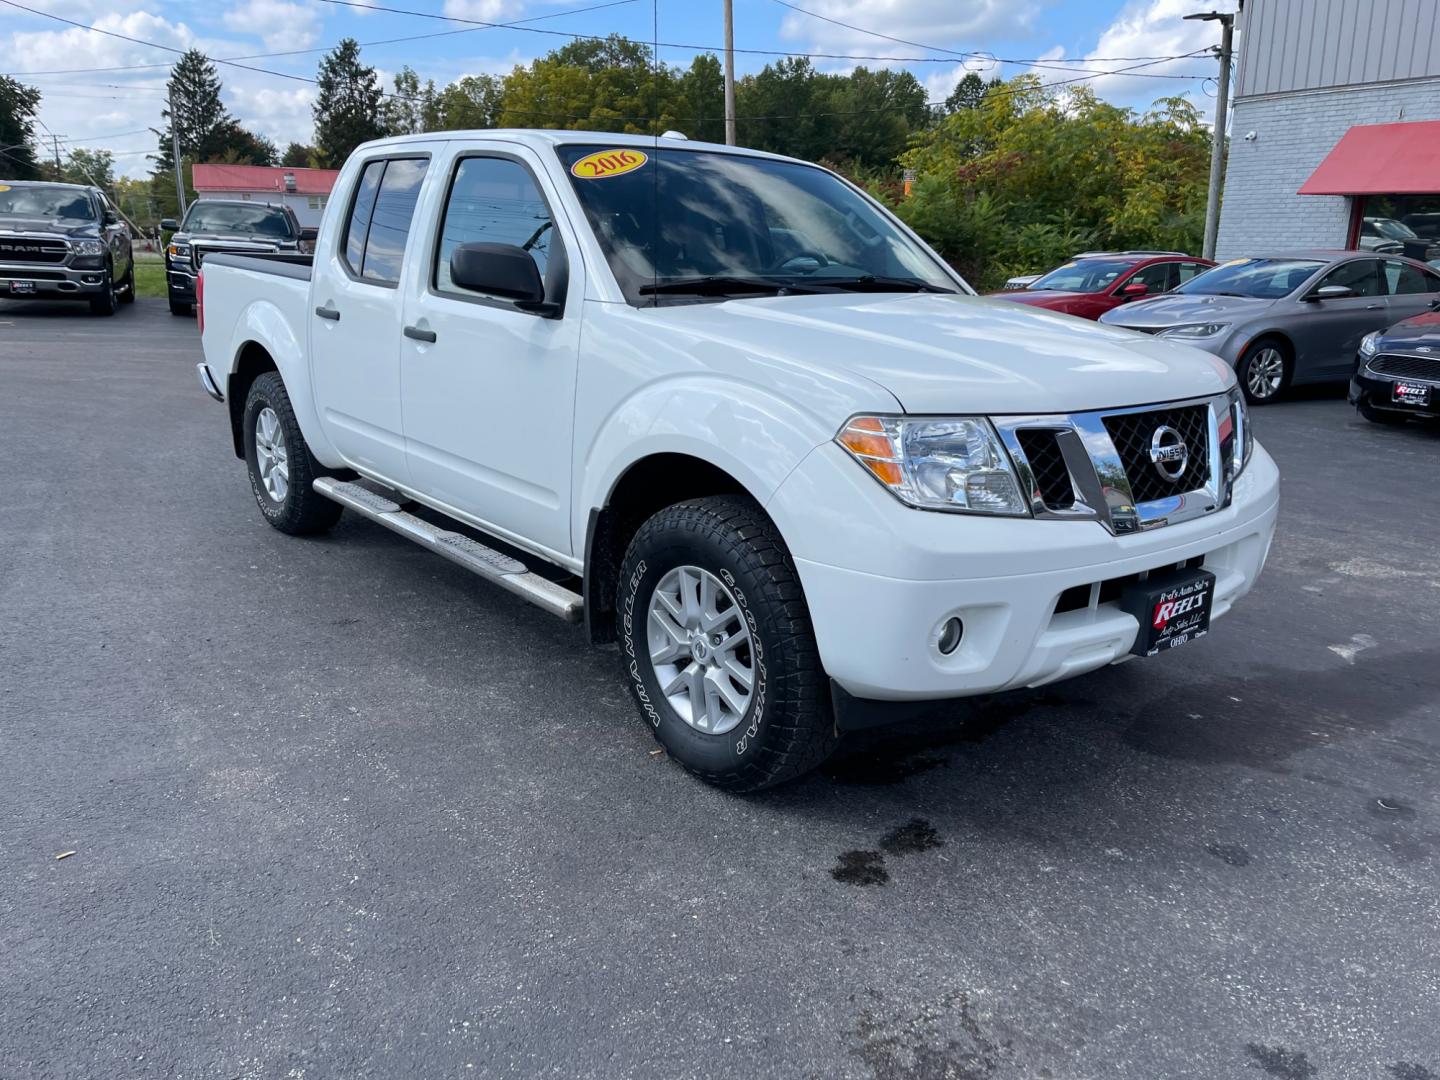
x=356, y=310
x=1412, y=290
x=1328, y=332
x=489, y=389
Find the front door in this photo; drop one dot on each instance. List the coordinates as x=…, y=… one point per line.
x=1327, y=338
x=355, y=317
x=489, y=389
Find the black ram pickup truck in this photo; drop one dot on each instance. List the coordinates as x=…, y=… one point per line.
x=63, y=242
x=211, y=225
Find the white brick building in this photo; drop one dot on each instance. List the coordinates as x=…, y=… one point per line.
x=1309, y=72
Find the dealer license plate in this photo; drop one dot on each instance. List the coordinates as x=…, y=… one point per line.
x=1172, y=607
x=22, y=288
x=1404, y=393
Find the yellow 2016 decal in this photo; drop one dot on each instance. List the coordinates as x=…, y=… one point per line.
x=604, y=164
x=4, y=187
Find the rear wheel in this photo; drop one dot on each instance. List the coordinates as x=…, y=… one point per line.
x=1264, y=371
x=281, y=466
x=717, y=646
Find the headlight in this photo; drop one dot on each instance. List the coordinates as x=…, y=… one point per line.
x=954, y=463
x=179, y=251
x=1197, y=330
x=1370, y=343
x=1238, y=421
x=88, y=247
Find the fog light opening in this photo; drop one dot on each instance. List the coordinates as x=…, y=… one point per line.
x=951, y=633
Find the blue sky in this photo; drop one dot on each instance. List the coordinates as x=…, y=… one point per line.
x=111, y=108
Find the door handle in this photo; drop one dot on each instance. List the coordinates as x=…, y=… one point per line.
x=416, y=334
x=328, y=313
x=1374, y=307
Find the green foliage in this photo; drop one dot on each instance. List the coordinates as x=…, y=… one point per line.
x=1023, y=179
x=299, y=156
x=84, y=166
x=411, y=109
x=18, y=104
x=347, y=104
x=468, y=103
x=606, y=85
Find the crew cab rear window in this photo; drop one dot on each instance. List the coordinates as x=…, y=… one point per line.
x=380, y=217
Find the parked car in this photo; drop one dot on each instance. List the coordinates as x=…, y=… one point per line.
x=1397, y=371
x=63, y=242
x=213, y=225
x=1096, y=282
x=1282, y=320
x=1019, y=281
x=727, y=410
x=1390, y=237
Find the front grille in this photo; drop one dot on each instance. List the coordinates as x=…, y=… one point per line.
x=1047, y=464
x=20, y=250
x=1407, y=367
x=32, y=275
x=1132, y=434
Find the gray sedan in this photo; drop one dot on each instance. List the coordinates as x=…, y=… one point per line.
x=1282, y=320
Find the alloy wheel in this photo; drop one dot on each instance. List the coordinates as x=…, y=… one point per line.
x=270, y=454
x=701, y=649
x=1265, y=373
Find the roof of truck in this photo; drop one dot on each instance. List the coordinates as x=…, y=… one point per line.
x=549, y=137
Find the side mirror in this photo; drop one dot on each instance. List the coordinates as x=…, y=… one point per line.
x=1331, y=292
x=111, y=218
x=309, y=236
x=1134, y=289
x=169, y=224
x=502, y=270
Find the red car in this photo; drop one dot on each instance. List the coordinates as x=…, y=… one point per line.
x=1091, y=284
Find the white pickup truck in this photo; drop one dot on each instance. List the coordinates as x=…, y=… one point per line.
x=725, y=409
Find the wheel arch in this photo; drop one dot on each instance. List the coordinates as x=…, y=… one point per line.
x=251, y=361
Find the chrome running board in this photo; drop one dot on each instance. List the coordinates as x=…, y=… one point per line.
x=510, y=574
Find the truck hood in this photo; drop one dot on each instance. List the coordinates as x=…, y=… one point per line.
x=1174, y=309
x=48, y=227
x=958, y=354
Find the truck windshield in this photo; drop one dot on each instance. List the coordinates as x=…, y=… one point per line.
x=1263, y=279
x=696, y=224
x=49, y=203
x=264, y=221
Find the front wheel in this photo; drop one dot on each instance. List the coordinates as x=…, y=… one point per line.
x=105, y=302
x=127, y=287
x=1264, y=371
x=280, y=464
x=178, y=307
x=717, y=646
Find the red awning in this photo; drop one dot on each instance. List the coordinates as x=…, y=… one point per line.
x=1381, y=159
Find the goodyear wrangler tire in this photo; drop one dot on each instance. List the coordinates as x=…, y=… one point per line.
x=717, y=646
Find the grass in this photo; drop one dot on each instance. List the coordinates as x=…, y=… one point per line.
x=149, y=277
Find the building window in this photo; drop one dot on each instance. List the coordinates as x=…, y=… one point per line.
x=245, y=195
x=316, y=202
x=1401, y=225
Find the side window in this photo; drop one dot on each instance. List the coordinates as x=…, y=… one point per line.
x=1403, y=279
x=1189, y=270
x=390, y=223
x=1156, y=278
x=1362, y=275
x=360, y=211
x=493, y=200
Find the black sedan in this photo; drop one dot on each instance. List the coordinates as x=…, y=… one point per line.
x=1397, y=371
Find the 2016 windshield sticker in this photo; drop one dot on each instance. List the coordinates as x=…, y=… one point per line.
x=604, y=164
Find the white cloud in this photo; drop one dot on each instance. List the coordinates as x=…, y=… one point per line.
x=1158, y=28
x=483, y=10
x=933, y=22
x=280, y=24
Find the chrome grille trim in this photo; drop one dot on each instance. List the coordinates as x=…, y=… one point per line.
x=1102, y=485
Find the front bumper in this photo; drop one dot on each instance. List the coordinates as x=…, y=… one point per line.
x=180, y=283
x=1377, y=392
x=1035, y=597
x=49, y=281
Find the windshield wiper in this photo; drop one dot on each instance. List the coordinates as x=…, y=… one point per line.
x=721, y=285
x=876, y=283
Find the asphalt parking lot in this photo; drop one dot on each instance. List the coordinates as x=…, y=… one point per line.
x=338, y=808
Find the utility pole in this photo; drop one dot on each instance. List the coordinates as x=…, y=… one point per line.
x=729, y=72
x=55, y=142
x=1217, y=143
x=175, y=154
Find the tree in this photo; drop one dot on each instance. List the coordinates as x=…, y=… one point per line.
x=199, y=115
x=471, y=102
x=298, y=156
x=600, y=85
x=95, y=167
x=970, y=92
x=236, y=146
x=411, y=109
x=701, y=104
x=873, y=113
x=18, y=105
x=1034, y=173
x=347, y=106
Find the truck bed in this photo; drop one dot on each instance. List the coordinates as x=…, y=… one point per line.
x=284, y=264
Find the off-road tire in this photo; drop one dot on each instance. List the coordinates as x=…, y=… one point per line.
x=1252, y=355
x=105, y=303
x=127, y=295
x=303, y=511
x=788, y=728
x=1384, y=417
